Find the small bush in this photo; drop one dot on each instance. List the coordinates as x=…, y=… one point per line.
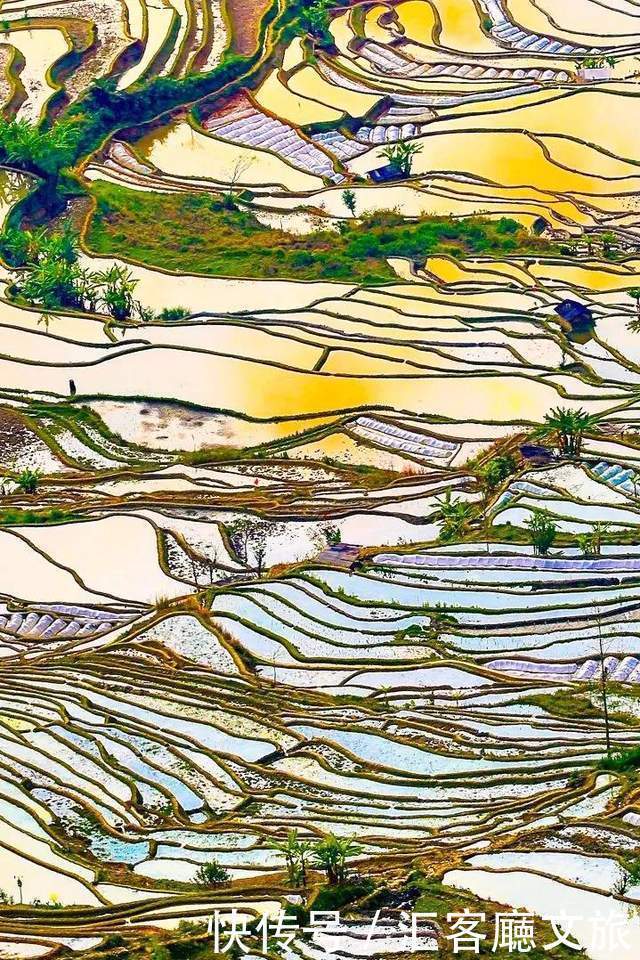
x=171, y=314
x=211, y=874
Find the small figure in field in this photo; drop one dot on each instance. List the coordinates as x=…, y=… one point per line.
x=72, y=388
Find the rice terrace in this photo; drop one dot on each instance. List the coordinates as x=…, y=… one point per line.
x=320, y=479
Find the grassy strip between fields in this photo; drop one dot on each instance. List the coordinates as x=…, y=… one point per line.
x=194, y=233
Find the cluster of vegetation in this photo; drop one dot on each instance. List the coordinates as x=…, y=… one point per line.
x=440, y=621
x=329, y=854
x=454, y=516
x=315, y=18
x=591, y=543
x=47, y=273
x=211, y=874
x=567, y=429
x=595, y=63
x=44, y=152
x=542, y=530
x=27, y=480
x=623, y=761
x=402, y=154
x=194, y=233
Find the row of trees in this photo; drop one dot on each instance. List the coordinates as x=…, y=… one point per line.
x=330, y=854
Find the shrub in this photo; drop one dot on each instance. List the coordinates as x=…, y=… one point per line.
x=28, y=480
x=211, y=874
x=624, y=761
x=542, y=531
x=173, y=313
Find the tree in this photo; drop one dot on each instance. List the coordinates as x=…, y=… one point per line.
x=295, y=852
x=567, y=427
x=316, y=17
x=542, y=531
x=259, y=544
x=28, y=480
x=608, y=243
x=211, y=874
x=44, y=152
x=591, y=543
x=454, y=516
x=402, y=155
x=331, y=855
x=250, y=537
x=349, y=200
x=239, y=532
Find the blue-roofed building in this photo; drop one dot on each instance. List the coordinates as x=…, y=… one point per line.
x=576, y=314
x=390, y=172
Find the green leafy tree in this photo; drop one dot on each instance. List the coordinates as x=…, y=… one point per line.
x=44, y=152
x=567, y=428
x=296, y=853
x=349, y=200
x=454, y=515
x=490, y=476
x=331, y=855
x=495, y=471
x=316, y=17
x=608, y=243
x=542, y=531
x=211, y=874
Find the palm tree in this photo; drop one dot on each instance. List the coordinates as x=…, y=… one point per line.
x=567, y=427
x=454, y=516
x=332, y=853
x=295, y=853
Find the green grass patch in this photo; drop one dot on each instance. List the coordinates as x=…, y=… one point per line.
x=19, y=517
x=579, y=704
x=198, y=234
